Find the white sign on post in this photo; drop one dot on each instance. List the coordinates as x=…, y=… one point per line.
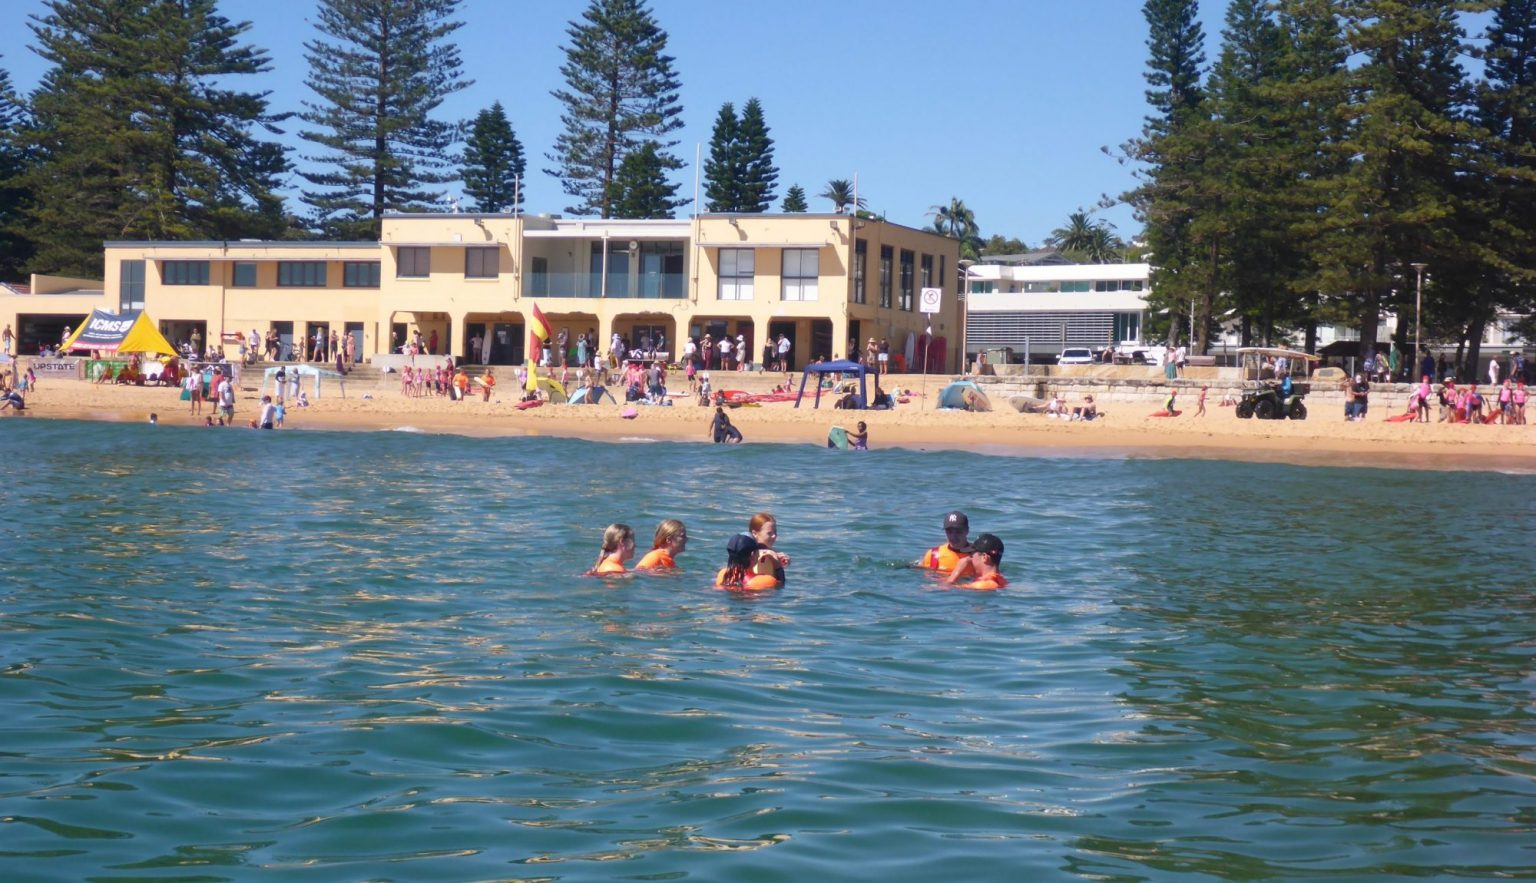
x=930, y=299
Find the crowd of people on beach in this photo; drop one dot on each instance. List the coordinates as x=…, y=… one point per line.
x=753, y=563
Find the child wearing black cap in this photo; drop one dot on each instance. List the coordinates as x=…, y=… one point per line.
x=943, y=558
x=986, y=555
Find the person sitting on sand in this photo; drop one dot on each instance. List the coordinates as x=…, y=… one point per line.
x=11, y=400
x=982, y=564
x=1087, y=411
x=670, y=541
x=956, y=545
x=618, y=547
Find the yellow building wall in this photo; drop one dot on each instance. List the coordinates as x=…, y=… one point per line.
x=448, y=302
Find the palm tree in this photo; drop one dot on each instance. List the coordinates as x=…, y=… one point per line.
x=1104, y=247
x=840, y=191
x=955, y=220
x=1075, y=235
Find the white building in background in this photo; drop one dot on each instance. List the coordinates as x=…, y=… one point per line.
x=1038, y=308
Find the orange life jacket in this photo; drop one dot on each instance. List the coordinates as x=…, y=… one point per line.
x=942, y=558
x=656, y=559
x=609, y=564
x=994, y=581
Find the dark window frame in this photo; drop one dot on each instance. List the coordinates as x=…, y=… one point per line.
x=908, y=262
x=361, y=274
x=302, y=274
x=413, y=262
x=475, y=257
x=183, y=272
x=887, y=264
x=860, y=266
x=235, y=273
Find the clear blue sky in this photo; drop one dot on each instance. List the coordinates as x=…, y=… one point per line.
x=1004, y=104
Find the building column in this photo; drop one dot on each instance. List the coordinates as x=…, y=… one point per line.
x=605, y=333
x=840, y=336
x=456, y=342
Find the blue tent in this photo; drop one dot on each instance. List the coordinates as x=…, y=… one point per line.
x=841, y=366
x=964, y=395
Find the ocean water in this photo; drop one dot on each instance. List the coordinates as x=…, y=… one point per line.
x=230, y=655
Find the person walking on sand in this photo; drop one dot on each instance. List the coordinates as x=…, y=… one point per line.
x=488, y=384
x=1200, y=403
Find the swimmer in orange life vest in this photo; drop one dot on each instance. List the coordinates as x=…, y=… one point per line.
x=618, y=547
x=986, y=555
x=671, y=540
x=957, y=527
x=752, y=563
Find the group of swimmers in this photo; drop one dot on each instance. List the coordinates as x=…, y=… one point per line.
x=753, y=564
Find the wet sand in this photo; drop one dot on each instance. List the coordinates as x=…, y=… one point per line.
x=1126, y=430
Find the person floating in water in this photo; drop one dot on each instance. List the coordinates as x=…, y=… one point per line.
x=618, y=547
x=954, y=549
x=982, y=564
x=670, y=541
x=752, y=563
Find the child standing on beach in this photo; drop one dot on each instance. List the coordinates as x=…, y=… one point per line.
x=618, y=547
x=670, y=541
x=982, y=563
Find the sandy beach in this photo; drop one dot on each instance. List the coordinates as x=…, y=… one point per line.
x=1126, y=430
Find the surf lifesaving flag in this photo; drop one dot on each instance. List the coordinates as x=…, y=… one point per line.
x=538, y=333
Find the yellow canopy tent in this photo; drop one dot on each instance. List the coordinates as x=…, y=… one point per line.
x=130, y=332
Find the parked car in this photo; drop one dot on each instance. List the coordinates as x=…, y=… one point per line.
x=1075, y=355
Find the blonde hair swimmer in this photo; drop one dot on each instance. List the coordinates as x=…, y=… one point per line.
x=618, y=547
x=671, y=539
x=752, y=564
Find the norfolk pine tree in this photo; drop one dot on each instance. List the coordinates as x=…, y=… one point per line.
x=642, y=185
x=493, y=162
x=1173, y=149
x=794, y=200
x=723, y=168
x=620, y=94
x=15, y=248
x=137, y=134
x=759, y=175
x=379, y=72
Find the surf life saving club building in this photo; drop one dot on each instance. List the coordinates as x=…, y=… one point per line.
x=825, y=282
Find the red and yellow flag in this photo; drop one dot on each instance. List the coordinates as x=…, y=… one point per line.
x=538, y=332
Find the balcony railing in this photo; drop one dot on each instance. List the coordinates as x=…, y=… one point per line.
x=656, y=286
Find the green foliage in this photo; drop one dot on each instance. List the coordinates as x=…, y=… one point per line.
x=794, y=200
x=15, y=248
x=641, y=189
x=959, y=222
x=759, y=175
x=840, y=191
x=138, y=133
x=493, y=162
x=999, y=244
x=379, y=72
x=620, y=94
x=1087, y=241
x=722, y=170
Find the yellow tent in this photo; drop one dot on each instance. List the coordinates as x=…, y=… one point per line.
x=130, y=332
x=554, y=390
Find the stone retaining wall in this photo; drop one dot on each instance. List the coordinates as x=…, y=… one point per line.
x=1323, y=400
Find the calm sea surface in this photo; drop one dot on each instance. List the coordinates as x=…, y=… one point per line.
x=230, y=655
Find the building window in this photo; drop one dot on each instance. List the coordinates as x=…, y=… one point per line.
x=130, y=288
x=1075, y=286
x=885, y=276
x=907, y=259
x=244, y=274
x=482, y=262
x=413, y=262
x=360, y=274
x=736, y=271
x=301, y=274
x=925, y=272
x=184, y=273
x=942, y=268
x=860, y=258
x=802, y=266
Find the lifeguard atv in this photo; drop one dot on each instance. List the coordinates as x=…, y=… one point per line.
x=1261, y=383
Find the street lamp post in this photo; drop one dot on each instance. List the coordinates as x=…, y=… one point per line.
x=1418, y=311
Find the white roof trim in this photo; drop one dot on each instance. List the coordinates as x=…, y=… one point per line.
x=763, y=244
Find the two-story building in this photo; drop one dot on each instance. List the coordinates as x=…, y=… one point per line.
x=826, y=282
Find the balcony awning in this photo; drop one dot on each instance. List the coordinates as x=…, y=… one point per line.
x=763, y=244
